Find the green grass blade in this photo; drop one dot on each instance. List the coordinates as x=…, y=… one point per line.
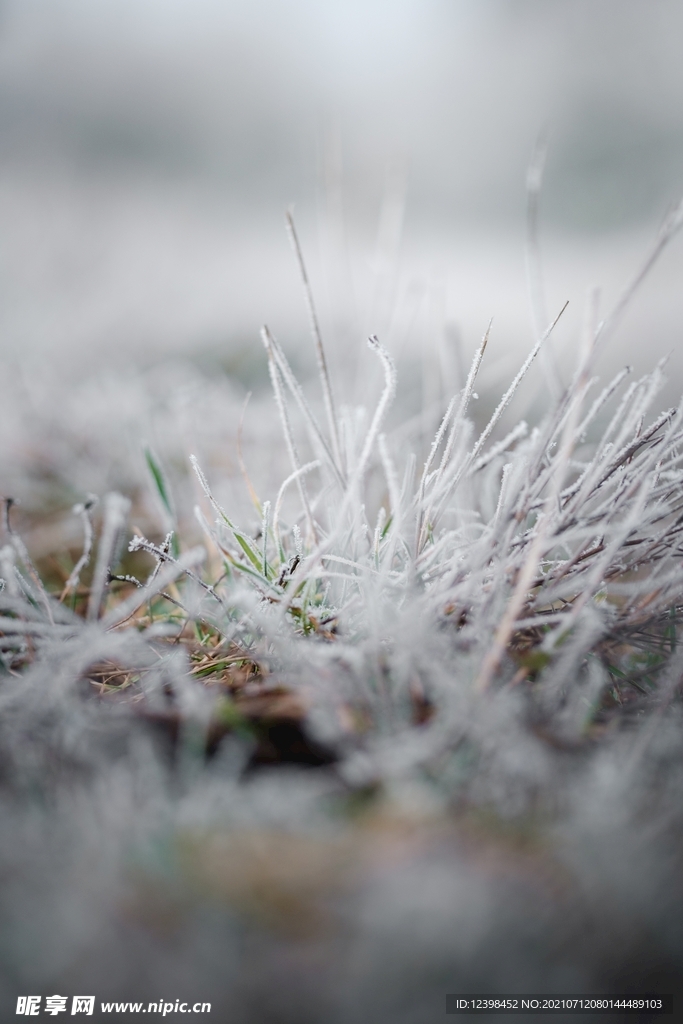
x=162, y=489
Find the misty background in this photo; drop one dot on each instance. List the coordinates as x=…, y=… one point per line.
x=149, y=150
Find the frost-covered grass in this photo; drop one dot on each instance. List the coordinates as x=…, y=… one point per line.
x=416, y=732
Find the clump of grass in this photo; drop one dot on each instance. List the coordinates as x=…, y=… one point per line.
x=515, y=601
x=535, y=557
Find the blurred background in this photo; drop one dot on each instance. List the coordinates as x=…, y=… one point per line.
x=149, y=150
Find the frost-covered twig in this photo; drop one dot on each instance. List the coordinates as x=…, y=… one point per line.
x=82, y=510
x=183, y=565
